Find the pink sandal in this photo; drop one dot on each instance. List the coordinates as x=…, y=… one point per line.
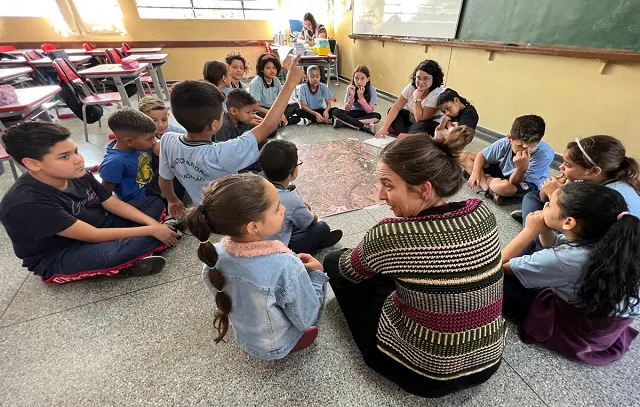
x=308, y=337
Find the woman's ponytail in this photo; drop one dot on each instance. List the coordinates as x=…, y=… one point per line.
x=628, y=172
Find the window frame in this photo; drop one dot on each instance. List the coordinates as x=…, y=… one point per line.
x=194, y=9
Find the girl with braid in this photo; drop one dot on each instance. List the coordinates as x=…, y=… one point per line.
x=271, y=296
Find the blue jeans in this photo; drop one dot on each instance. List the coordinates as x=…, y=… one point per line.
x=83, y=259
x=309, y=240
x=531, y=203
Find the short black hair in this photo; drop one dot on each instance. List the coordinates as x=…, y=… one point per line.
x=214, y=71
x=528, y=128
x=33, y=139
x=278, y=159
x=449, y=95
x=129, y=119
x=195, y=104
x=240, y=98
x=432, y=68
x=263, y=59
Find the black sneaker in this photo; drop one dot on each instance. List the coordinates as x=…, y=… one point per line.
x=497, y=199
x=146, y=267
x=178, y=225
x=368, y=128
x=334, y=237
x=517, y=216
x=293, y=120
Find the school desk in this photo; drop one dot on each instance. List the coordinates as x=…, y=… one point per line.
x=156, y=61
x=116, y=73
x=29, y=105
x=69, y=51
x=42, y=62
x=133, y=51
x=322, y=61
x=7, y=75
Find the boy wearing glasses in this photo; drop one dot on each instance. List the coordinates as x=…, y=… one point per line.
x=514, y=165
x=301, y=231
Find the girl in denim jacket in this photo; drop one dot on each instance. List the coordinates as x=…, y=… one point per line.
x=271, y=296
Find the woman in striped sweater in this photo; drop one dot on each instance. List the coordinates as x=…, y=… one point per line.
x=422, y=292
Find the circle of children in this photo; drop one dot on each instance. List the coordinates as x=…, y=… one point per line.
x=424, y=293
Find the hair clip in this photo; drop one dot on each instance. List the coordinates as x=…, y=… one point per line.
x=205, y=242
x=623, y=214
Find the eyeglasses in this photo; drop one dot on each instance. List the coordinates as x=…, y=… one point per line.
x=423, y=78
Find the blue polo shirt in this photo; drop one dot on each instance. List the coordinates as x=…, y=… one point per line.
x=501, y=153
x=357, y=105
x=315, y=100
x=296, y=214
x=130, y=171
x=263, y=93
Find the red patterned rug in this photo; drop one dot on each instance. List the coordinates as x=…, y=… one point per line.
x=337, y=176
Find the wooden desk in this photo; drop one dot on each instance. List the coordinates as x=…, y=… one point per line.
x=42, y=62
x=135, y=51
x=116, y=73
x=7, y=75
x=159, y=82
x=29, y=105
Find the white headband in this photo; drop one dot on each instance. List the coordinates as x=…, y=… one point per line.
x=584, y=152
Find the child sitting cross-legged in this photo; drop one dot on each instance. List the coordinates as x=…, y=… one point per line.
x=193, y=158
x=315, y=98
x=301, y=231
x=64, y=224
x=271, y=296
x=514, y=165
x=126, y=167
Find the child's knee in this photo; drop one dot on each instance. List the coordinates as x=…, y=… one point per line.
x=502, y=187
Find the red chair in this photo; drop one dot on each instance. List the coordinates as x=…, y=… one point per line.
x=48, y=47
x=7, y=48
x=84, y=90
x=32, y=55
x=114, y=56
x=88, y=47
x=126, y=47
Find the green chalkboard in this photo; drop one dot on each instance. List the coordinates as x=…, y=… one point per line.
x=587, y=23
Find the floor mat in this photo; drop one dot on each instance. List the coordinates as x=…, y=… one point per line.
x=337, y=176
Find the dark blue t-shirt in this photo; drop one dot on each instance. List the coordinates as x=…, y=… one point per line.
x=130, y=171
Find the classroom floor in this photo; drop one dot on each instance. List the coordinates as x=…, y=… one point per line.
x=149, y=341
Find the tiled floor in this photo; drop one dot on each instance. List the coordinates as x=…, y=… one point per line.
x=149, y=341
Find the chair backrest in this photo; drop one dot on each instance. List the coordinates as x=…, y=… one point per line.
x=66, y=71
x=59, y=53
x=296, y=26
x=7, y=48
x=332, y=46
x=88, y=47
x=125, y=46
x=48, y=47
x=32, y=55
x=113, y=56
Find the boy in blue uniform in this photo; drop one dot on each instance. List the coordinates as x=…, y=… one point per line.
x=193, y=158
x=301, y=231
x=514, y=165
x=126, y=168
x=315, y=98
x=64, y=224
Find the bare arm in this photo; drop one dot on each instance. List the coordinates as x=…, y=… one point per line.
x=109, y=185
x=86, y=233
x=517, y=176
x=424, y=113
x=478, y=163
x=175, y=205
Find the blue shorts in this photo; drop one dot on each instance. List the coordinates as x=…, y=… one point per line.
x=493, y=170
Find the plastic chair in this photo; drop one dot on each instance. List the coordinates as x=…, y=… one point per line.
x=7, y=48
x=84, y=90
x=32, y=55
x=114, y=56
x=88, y=47
x=333, y=66
x=296, y=26
x=6, y=157
x=48, y=47
x=126, y=47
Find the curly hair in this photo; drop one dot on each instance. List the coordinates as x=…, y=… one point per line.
x=234, y=56
x=432, y=68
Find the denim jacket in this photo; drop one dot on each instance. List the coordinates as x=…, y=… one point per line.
x=273, y=297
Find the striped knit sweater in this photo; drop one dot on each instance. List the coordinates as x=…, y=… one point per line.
x=444, y=320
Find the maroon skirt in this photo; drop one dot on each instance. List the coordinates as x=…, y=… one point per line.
x=565, y=329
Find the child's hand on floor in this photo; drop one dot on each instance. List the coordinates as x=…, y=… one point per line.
x=283, y=120
x=382, y=133
x=521, y=160
x=166, y=234
x=326, y=115
x=310, y=263
x=176, y=209
x=535, y=223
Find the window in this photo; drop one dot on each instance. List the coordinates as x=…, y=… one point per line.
x=105, y=17
x=208, y=9
x=29, y=8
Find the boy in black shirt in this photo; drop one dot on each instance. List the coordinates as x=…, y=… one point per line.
x=64, y=224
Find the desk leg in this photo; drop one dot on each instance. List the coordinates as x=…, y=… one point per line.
x=140, y=88
x=163, y=82
x=156, y=82
x=123, y=93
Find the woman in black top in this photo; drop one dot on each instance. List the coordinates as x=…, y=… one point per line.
x=457, y=112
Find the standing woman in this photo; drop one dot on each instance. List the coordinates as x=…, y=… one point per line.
x=416, y=110
x=312, y=30
x=422, y=292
